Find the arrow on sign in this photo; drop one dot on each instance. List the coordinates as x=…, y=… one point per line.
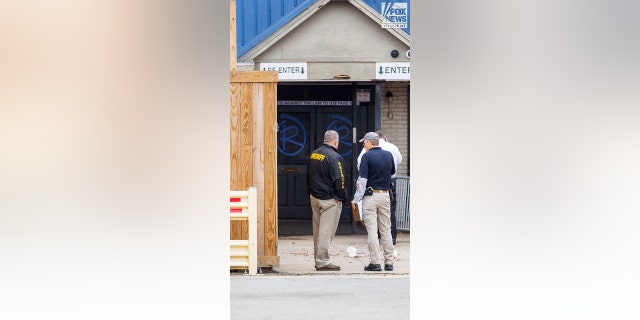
x=380, y=72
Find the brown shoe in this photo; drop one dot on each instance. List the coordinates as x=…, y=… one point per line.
x=329, y=267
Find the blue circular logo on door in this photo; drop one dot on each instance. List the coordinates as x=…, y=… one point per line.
x=292, y=135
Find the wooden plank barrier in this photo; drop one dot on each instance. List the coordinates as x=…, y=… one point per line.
x=253, y=155
x=243, y=205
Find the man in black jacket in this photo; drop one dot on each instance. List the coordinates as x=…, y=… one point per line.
x=325, y=185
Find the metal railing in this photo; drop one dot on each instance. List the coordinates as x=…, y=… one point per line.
x=402, y=203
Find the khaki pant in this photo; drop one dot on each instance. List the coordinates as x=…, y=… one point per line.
x=376, y=218
x=326, y=215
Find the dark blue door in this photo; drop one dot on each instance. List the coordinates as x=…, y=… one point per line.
x=301, y=127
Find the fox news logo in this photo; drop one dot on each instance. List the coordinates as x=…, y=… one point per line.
x=394, y=15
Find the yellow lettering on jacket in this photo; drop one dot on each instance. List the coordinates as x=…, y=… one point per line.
x=317, y=156
x=341, y=173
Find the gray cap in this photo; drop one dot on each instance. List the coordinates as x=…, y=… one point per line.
x=370, y=136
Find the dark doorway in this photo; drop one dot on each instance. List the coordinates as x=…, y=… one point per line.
x=305, y=112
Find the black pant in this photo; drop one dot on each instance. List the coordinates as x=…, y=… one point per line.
x=394, y=231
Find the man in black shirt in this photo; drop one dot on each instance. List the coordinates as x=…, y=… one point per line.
x=374, y=176
x=325, y=185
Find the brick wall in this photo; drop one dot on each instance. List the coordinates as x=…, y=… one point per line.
x=395, y=119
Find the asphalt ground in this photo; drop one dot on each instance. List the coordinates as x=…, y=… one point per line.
x=320, y=297
x=295, y=290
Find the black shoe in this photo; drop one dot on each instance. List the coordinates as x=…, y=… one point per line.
x=394, y=242
x=373, y=267
x=388, y=267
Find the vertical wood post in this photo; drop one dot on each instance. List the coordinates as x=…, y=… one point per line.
x=232, y=34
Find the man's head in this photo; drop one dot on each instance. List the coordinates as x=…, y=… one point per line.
x=370, y=139
x=381, y=135
x=332, y=138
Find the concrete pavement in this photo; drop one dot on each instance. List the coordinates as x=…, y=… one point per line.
x=296, y=257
